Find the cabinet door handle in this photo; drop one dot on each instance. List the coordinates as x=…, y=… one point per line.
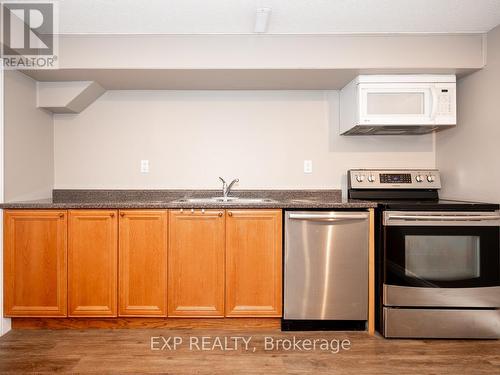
x=61, y=215
x=220, y=214
x=112, y=214
x=230, y=213
x=122, y=214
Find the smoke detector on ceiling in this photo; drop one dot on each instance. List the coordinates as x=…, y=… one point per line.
x=262, y=20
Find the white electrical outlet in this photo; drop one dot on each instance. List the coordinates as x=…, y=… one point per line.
x=308, y=166
x=144, y=166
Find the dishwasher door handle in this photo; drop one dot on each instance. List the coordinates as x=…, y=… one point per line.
x=328, y=217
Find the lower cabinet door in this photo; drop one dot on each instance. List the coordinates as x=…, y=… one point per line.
x=92, y=263
x=253, y=263
x=196, y=263
x=143, y=263
x=35, y=263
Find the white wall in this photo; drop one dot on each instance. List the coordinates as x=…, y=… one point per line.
x=5, y=324
x=29, y=141
x=192, y=137
x=469, y=156
x=26, y=149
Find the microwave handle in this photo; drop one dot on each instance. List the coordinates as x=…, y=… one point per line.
x=434, y=103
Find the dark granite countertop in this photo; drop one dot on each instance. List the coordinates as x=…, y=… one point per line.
x=74, y=199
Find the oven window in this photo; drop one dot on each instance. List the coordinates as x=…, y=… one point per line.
x=442, y=258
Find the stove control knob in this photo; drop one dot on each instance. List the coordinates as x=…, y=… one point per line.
x=419, y=178
x=371, y=178
x=431, y=178
x=360, y=178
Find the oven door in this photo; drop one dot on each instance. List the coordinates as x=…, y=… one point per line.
x=442, y=258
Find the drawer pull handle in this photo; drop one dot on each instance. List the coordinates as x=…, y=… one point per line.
x=230, y=213
x=61, y=215
x=122, y=214
x=112, y=214
x=220, y=214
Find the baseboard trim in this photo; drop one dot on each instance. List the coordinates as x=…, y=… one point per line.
x=124, y=323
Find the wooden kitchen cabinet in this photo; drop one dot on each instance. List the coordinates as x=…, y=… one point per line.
x=196, y=263
x=108, y=263
x=143, y=263
x=253, y=263
x=35, y=259
x=92, y=263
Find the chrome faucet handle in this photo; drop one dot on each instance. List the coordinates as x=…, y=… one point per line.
x=229, y=187
x=224, y=186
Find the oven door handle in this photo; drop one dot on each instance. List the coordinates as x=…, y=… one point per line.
x=400, y=219
x=443, y=218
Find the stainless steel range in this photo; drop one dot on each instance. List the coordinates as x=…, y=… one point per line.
x=438, y=261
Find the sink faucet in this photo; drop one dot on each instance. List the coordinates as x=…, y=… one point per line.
x=226, y=189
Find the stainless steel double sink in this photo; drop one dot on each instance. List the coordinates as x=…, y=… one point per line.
x=222, y=200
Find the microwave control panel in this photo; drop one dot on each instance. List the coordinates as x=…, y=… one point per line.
x=446, y=100
x=394, y=179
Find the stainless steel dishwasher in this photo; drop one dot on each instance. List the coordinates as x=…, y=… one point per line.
x=326, y=265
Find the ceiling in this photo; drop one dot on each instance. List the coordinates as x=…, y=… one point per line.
x=287, y=16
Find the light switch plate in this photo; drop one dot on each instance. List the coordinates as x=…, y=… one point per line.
x=308, y=166
x=144, y=166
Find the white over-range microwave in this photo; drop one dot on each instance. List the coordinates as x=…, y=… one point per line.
x=398, y=104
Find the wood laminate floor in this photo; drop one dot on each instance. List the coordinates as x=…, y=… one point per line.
x=129, y=351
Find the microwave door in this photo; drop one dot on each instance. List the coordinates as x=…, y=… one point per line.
x=397, y=105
